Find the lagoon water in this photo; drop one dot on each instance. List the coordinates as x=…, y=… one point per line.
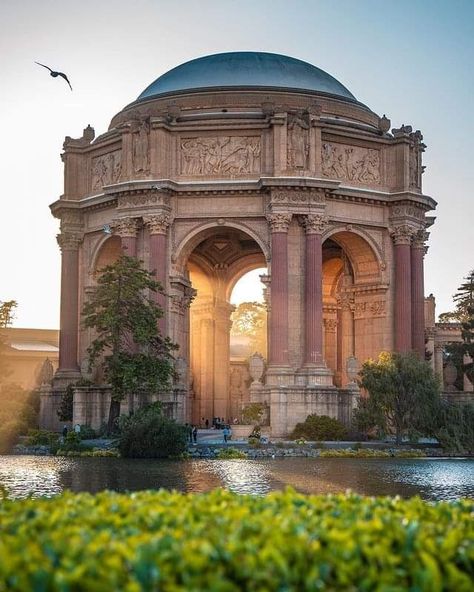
x=432, y=479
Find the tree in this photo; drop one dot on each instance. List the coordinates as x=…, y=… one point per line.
x=6, y=317
x=128, y=346
x=403, y=395
x=464, y=314
x=250, y=319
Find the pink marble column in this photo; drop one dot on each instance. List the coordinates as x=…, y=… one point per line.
x=418, y=293
x=278, y=346
x=403, y=300
x=127, y=229
x=158, y=226
x=69, y=314
x=314, y=225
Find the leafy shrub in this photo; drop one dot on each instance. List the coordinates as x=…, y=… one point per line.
x=65, y=411
x=223, y=541
x=319, y=427
x=253, y=413
x=370, y=453
x=230, y=453
x=455, y=427
x=149, y=434
x=41, y=438
x=87, y=433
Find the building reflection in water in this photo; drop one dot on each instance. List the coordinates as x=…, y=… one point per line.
x=433, y=479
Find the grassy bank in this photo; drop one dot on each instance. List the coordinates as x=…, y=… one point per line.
x=224, y=542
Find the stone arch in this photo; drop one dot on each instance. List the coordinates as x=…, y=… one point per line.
x=363, y=252
x=106, y=251
x=243, y=266
x=192, y=239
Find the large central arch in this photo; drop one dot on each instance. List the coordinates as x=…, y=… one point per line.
x=214, y=260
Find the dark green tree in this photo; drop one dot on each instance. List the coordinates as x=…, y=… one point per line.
x=128, y=345
x=403, y=395
x=464, y=314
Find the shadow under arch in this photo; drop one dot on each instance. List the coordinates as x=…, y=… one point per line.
x=200, y=233
x=106, y=251
x=363, y=253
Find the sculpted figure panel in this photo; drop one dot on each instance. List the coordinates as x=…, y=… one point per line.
x=351, y=163
x=298, y=142
x=141, y=157
x=227, y=155
x=106, y=169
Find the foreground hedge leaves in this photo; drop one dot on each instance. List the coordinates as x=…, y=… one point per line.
x=224, y=542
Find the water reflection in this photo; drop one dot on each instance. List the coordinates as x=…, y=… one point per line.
x=432, y=479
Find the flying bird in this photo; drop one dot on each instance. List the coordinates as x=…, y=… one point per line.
x=56, y=74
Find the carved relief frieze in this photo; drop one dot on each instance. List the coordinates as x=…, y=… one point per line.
x=365, y=309
x=150, y=198
x=351, y=163
x=223, y=155
x=297, y=142
x=298, y=197
x=106, y=169
x=407, y=211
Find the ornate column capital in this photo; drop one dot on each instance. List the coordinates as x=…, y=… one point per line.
x=279, y=222
x=314, y=223
x=125, y=227
x=158, y=223
x=402, y=234
x=419, y=239
x=69, y=241
x=330, y=325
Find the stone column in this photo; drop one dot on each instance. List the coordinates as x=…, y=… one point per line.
x=438, y=353
x=314, y=225
x=402, y=236
x=127, y=230
x=468, y=387
x=69, y=314
x=278, y=346
x=418, y=293
x=158, y=227
x=222, y=325
x=330, y=343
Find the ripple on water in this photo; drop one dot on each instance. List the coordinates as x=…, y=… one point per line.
x=432, y=479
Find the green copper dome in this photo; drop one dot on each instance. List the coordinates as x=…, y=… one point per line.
x=246, y=70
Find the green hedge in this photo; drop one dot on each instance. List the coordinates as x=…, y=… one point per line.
x=224, y=542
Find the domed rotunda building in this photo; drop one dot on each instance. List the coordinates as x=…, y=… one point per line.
x=241, y=161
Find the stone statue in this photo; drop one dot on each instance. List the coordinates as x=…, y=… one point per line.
x=141, y=161
x=298, y=142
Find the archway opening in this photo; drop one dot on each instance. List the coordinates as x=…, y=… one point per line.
x=217, y=268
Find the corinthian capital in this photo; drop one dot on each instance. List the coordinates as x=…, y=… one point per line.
x=279, y=222
x=69, y=241
x=419, y=239
x=402, y=234
x=126, y=227
x=315, y=223
x=158, y=223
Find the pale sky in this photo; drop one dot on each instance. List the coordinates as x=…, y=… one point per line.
x=410, y=59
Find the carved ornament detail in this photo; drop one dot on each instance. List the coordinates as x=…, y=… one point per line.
x=330, y=325
x=126, y=227
x=375, y=308
x=223, y=155
x=351, y=163
x=419, y=239
x=157, y=224
x=106, y=169
x=279, y=222
x=141, y=147
x=144, y=199
x=315, y=223
x=403, y=234
x=299, y=197
x=69, y=241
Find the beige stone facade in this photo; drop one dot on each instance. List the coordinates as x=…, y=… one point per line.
x=205, y=185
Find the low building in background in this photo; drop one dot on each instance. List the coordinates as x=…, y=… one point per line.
x=27, y=354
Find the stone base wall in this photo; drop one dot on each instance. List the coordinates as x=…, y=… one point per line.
x=91, y=406
x=291, y=405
